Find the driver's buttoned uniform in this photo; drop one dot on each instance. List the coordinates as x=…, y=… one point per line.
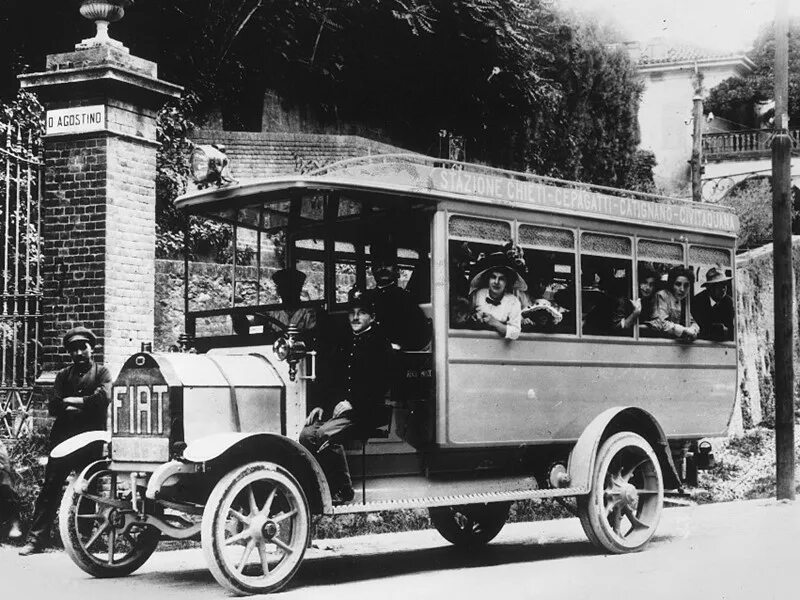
x=360, y=375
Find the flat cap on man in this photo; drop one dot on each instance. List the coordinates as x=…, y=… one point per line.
x=79, y=334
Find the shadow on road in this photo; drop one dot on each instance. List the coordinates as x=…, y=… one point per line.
x=332, y=570
x=341, y=569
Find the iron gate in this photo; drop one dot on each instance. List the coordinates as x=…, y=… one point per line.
x=20, y=317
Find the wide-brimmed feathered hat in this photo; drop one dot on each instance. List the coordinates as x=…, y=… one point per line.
x=497, y=261
x=543, y=304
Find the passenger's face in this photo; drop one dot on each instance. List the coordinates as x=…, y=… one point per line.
x=497, y=283
x=647, y=287
x=717, y=291
x=359, y=319
x=80, y=352
x=385, y=273
x=681, y=287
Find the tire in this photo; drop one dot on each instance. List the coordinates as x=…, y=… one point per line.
x=470, y=525
x=621, y=512
x=258, y=506
x=104, y=538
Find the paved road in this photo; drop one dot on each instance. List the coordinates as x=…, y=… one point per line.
x=746, y=550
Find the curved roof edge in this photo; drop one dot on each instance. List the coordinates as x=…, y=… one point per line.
x=442, y=179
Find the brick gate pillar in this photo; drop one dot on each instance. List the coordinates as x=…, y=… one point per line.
x=98, y=208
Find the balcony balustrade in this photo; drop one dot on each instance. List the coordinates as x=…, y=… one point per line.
x=738, y=145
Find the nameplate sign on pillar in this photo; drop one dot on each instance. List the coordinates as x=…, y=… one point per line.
x=77, y=119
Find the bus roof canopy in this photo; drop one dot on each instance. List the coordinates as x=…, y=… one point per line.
x=439, y=179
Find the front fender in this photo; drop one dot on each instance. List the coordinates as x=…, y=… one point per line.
x=619, y=418
x=88, y=472
x=242, y=448
x=78, y=442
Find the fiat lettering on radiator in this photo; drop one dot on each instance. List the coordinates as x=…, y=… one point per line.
x=139, y=409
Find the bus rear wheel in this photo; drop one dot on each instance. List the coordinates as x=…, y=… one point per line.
x=621, y=512
x=471, y=524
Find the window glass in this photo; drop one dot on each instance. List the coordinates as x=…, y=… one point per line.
x=656, y=258
x=314, y=285
x=348, y=207
x=546, y=237
x=712, y=305
x=470, y=228
x=549, y=303
x=606, y=285
x=466, y=261
x=312, y=207
x=598, y=243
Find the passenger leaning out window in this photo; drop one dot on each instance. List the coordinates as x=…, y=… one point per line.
x=495, y=305
x=669, y=311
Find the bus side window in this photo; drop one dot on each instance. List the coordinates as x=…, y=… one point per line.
x=656, y=258
x=606, y=284
x=550, y=258
x=472, y=239
x=712, y=304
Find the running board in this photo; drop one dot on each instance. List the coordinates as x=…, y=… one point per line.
x=356, y=506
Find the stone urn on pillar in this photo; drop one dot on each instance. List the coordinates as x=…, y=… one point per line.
x=103, y=12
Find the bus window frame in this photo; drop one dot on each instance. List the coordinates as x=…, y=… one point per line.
x=579, y=274
x=525, y=335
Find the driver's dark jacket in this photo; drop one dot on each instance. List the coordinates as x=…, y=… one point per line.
x=93, y=383
x=360, y=374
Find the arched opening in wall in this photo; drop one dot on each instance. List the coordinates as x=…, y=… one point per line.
x=751, y=198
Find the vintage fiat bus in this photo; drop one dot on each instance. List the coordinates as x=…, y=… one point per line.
x=203, y=442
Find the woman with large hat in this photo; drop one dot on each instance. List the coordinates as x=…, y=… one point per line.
x=492, y=289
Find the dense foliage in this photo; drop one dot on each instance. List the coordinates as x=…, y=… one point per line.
x=735, y=98
x=524, y=87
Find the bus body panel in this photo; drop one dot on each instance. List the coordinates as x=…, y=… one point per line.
x=541, y=390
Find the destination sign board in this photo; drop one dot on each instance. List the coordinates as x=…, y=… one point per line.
x=511, y=191
x=77, y=119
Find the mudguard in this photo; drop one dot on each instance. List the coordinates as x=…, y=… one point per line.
x=88, y=472
x=215, y=446
x=637, y=420
x=80, y=441
x=163, y=473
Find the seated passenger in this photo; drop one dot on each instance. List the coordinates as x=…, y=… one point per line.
x=461, y=260
x=396, y=313
x=355, y=405
x=670, y=307
x=641, y=308
x=713, y=307
x=541, y=317
x=603, y=303
x=493, y=300
x=289, y=283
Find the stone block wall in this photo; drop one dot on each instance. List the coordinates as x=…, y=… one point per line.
x=755, y=320
x=255, y=155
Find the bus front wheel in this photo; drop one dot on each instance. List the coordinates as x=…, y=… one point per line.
x=255, y=529
x=621, y=512
x=471, y=524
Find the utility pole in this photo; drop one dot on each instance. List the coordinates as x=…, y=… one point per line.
x=697, y=137
x=782, y=262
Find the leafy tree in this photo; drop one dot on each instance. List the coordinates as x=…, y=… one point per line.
x=736, y=97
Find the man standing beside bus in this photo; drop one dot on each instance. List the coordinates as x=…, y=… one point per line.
x=80, y=403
